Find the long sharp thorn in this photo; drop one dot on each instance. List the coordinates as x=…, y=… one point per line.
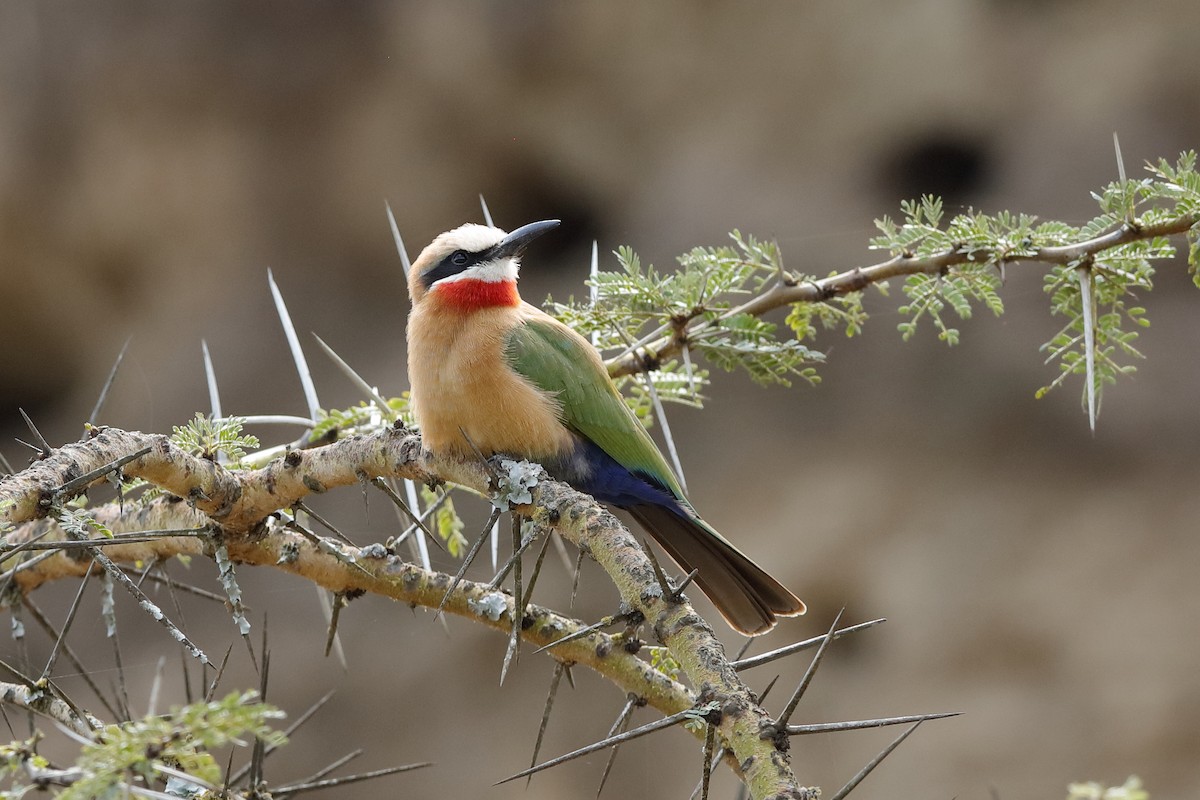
x=663, y=586
x=495, y=542
x=18, y=674
x=582, y=632
x=258, y=755
x=709, y=740
x=513, y=651
x=295, y=726
x=306, y=716
x=401, y=250
x=332, y=611
x=593, y=289
x=429, y=511
x=83, y=671
x=228, y=770
x=561, y=549
x=325, y=546
x=289, y=331
x=860, y=724
x=1120, y=160
x=210, y=374
x=1088, y=302
x=364, y=387
x=537, y=570
x=513, y=654
x=462, y=570
x=119, y=539
x=873, y=763
x=62, y=635
x=746, y=645
x=156, y=687
x=619, y=726
x=32, y=447
x=5, y=465
x=774, y=655
x=11, y=550
x=487, y=465
x=212, y=687
x=512, y=562
x=786, y=714
x=382, y=485
x=335, y=611
x=410, y=489
x=575, y=578
x=326, y=524
x=686, y=582
x=188, y=698
x=112, y=376
x=122, y=689
x=487, y=215
x=687, y=367
x=559, y=668
x=336, y=764
x=285, y=791
x=37, y=435
x=75, y=484
x=648, y=728
x=661, y=413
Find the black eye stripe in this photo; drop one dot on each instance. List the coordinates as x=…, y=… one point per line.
x=447, y=266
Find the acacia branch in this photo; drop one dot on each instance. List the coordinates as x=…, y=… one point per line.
x=38, y=699
x=238, y=504
x=789, y=291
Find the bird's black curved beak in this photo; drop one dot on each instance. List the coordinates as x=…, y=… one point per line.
x=515, y=243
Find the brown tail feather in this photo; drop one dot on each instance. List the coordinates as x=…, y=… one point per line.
x=748, y=597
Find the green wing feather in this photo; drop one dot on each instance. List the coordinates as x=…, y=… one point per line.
x=557, y=360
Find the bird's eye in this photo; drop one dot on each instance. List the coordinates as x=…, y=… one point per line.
x=460, y=258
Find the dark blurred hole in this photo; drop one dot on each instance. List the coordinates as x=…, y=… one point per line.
x=955, y=167
x=529, y=196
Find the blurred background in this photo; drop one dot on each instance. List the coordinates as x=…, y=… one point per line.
x=156, y=160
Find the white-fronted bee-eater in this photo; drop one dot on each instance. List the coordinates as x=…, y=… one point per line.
x=493, y=373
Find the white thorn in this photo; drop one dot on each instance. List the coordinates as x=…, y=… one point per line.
x=1120, y=161
x=289, y=330
x=410, y=489
x=666, y=430
x=495, y=544
x=594, y=289
x=403, y=253
x=214, y=397
x=1087, y=299
x=487, y=215
x=357, y=380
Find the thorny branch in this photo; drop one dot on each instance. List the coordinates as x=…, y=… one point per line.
x=239, y=505
x=788, y=291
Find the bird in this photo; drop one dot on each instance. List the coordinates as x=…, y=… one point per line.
x=490, y=374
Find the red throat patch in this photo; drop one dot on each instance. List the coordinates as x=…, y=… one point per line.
x=469, y=295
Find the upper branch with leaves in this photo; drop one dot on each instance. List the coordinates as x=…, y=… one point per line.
x=715, y=304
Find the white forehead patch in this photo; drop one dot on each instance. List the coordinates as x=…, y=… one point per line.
x=471, y=237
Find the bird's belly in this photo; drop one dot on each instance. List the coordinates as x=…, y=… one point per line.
x=470, y=390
